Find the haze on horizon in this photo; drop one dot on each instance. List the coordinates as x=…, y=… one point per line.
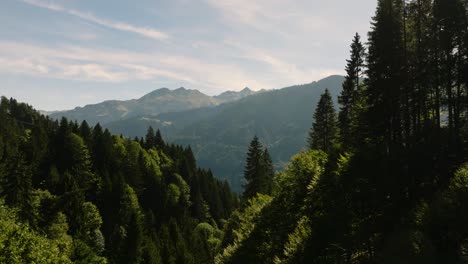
x=56, y=55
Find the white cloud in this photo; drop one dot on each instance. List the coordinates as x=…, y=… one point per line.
x=288, y=19
x=122, y=26
x=51, y=68
x=76, y=63
x=294, y=25
x=116, y=66
x=298, y=41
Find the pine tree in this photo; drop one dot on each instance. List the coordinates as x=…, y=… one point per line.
x=253, y=169
x=354, y=70
x=324, y=132
x=128, y=237
x=385, y=84
x=85, y=132
x=150, y=138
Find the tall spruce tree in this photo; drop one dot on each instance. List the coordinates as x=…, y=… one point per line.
x=324, y=132
x=150, y=138
x=385, y=85
x=257, y=173
x=354, y=71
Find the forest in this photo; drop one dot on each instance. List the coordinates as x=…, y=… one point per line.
x=76, y=194
x=382, y=180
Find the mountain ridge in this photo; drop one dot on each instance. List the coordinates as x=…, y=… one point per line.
x=162, y=100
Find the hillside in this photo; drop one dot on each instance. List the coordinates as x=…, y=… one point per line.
x=78, y=194
x=219, y=135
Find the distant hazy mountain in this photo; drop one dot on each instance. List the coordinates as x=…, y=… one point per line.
x=230, y=96
x=159, y=101
x=219, y=135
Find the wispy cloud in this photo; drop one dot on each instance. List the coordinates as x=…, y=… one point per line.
x=293, y=21
x=257, y=15
x=51, y=68
x=117, y=25
x=282, y=67
x=85, y=64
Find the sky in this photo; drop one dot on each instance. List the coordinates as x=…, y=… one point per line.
x=59, y=54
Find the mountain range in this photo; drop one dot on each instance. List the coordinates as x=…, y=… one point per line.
x=159, y=101
x=218, y=128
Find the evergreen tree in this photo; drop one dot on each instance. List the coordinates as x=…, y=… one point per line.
x=259, y=171
x=127, y=237
x=354, y=71
x=385, y=84
x=254, y=169
x=150, y=138
x=324, y=131
x=85, y=132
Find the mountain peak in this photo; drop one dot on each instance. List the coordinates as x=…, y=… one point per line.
x=233, y=95
x=167, y=92
x=157, y=92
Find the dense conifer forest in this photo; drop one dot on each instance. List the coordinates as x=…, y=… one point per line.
x=383, y=180
x=77, y=194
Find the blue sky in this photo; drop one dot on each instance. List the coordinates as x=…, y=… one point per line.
x=58, y=54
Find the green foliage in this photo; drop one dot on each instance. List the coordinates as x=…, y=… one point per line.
x=253, y=169
x=174, y=194
x=259, y=170
x=349, y=99
x=57, y=232
x=129, y=238
x=207, y=242
x=302, y=172
x=295, y=244
x=82, y=254
x=263, y=232
x=20, y=244
x=240, y=225
x=82, y=195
